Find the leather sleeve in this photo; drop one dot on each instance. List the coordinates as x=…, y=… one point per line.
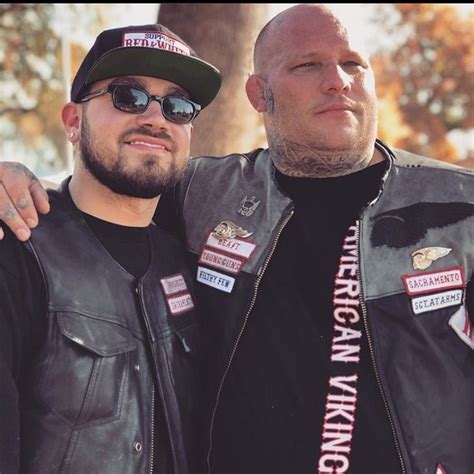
x=22, y=309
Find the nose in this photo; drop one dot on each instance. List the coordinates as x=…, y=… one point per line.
x=335, y=79
x=153, y=117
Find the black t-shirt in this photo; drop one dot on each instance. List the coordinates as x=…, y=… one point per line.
x=270, y=416
x=23, y=312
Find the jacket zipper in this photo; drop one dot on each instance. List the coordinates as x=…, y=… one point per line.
x=232, y=355
x=372, y=353
x=152, y=450
x=153, y=355
x=157, y=377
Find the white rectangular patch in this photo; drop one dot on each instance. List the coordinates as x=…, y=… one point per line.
x=462, y=326
x=239, y=247
x=180, y=304
x=422, y=304
x=173, y=284
x=221, y=261
x=434, y=281
x=215, y=279
x=154, y=39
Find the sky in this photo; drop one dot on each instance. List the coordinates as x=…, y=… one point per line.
x=141, y=13
x=357, y=14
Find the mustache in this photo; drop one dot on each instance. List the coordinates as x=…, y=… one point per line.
x=149, y=133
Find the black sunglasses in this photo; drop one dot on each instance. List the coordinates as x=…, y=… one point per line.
x=134, y=100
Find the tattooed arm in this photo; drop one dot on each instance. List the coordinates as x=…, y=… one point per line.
x=21, y=196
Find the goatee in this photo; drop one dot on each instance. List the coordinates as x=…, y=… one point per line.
x=146, y=182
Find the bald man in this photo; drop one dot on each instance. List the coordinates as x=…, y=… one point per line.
x=334, y=273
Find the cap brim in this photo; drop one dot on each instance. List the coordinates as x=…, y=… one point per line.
x=199, y=78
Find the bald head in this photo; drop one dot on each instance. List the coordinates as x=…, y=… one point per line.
x=315, y=88
x=287, y=24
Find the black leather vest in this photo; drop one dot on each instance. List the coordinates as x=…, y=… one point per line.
x=424, y=361
x=113, y=348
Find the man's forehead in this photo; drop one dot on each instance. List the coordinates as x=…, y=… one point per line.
x=302, y=48
x=325, y=30
x=305, y=27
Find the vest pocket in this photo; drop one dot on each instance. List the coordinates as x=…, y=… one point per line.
x=87, y=370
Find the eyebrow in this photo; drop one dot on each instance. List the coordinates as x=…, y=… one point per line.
x=129, y=81
x=320, y=55
x=176, y=90
x=134, y=81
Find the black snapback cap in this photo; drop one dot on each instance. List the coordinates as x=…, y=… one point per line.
x=147, y=50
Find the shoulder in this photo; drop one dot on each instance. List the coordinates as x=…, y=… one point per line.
x=419, y=177
x=231, y=160
x=217, y=171
x=15, y=257
x=229, y=169
x=22, y=289
x=403, y=158
x=22, y=304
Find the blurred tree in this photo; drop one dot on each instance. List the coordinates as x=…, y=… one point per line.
x=425, y=85
x=222, y=34
x=31, y=93
x=32, y=76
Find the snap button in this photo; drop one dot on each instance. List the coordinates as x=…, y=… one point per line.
x=137, y=446
x=137, y=368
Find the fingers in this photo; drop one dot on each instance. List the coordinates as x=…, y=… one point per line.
x=10, y=215
x=40, y=197
x=20, y=192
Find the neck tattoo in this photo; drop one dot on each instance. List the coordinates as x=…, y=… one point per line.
x=293, y=159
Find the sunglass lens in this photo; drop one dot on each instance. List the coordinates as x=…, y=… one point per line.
x=129, y=99
x=177, y=110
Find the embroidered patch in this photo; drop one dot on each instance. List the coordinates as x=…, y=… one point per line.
x=173, y=284
x=406, y=226
x=248, y=206
x=342, y=393
x=180, y=304
x=422, y=304
x=236, y=246
x=154, y=39
x=423, y=258
x=229, y=230
x=221, y=261
x=434, y=281
x=215, y=279
x=461, y=324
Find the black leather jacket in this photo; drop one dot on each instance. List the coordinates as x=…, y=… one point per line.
x=114, y=355
x=423, y=357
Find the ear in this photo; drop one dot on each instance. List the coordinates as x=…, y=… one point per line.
x=255, y=88
x=71, y=116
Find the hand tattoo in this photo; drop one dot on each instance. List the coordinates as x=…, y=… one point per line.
x=8, y=212
x=18, y=168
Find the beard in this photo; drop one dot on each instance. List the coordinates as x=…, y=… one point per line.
x=146, y=182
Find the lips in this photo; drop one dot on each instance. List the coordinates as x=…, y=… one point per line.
x=338, y=107
x=152, y=143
